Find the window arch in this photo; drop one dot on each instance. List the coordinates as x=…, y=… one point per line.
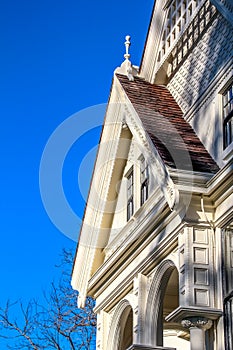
x=121, y=329
x=154, y=309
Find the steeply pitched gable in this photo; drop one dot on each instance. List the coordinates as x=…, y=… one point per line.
x=163, y=120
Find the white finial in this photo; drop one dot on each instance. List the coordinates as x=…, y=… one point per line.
x=126, y=67
x=127, y=45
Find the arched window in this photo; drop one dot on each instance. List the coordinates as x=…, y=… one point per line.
x=127, y=332
x=121, y=329
x=163, y=298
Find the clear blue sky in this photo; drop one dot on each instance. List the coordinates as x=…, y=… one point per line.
x=57, y=57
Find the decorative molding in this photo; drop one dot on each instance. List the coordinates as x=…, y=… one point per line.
x=197, y=321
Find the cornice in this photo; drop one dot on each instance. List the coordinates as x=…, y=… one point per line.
x=217, y=184
x=214, y=186
x=191, y=181
x=182, y=312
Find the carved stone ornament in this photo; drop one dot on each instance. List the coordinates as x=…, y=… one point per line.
x=198, y=322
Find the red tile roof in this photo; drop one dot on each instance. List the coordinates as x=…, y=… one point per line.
x=162, y=118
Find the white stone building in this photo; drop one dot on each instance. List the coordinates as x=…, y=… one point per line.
x=156, y=245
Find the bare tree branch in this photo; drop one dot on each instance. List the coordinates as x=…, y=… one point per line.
x=56, y=323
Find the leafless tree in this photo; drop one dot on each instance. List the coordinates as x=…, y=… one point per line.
x=55, y=323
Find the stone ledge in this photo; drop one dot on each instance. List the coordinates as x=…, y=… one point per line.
x=147, y=347
x=182, y=312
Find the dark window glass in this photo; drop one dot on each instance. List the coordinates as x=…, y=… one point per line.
x=130, y=204
x=228, y=322
x=228, y=117
x=144, y=181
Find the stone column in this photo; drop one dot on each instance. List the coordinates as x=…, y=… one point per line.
x=197, y=327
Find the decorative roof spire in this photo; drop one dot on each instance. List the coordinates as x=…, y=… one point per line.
x=127, y=45
x=126, y=67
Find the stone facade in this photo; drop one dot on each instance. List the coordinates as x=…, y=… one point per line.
x=156, y=246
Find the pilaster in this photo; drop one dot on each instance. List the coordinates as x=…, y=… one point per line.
x=102, y=325
x=140, y=291
x=196, y=267
x=197, y=278
x=197, y=327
